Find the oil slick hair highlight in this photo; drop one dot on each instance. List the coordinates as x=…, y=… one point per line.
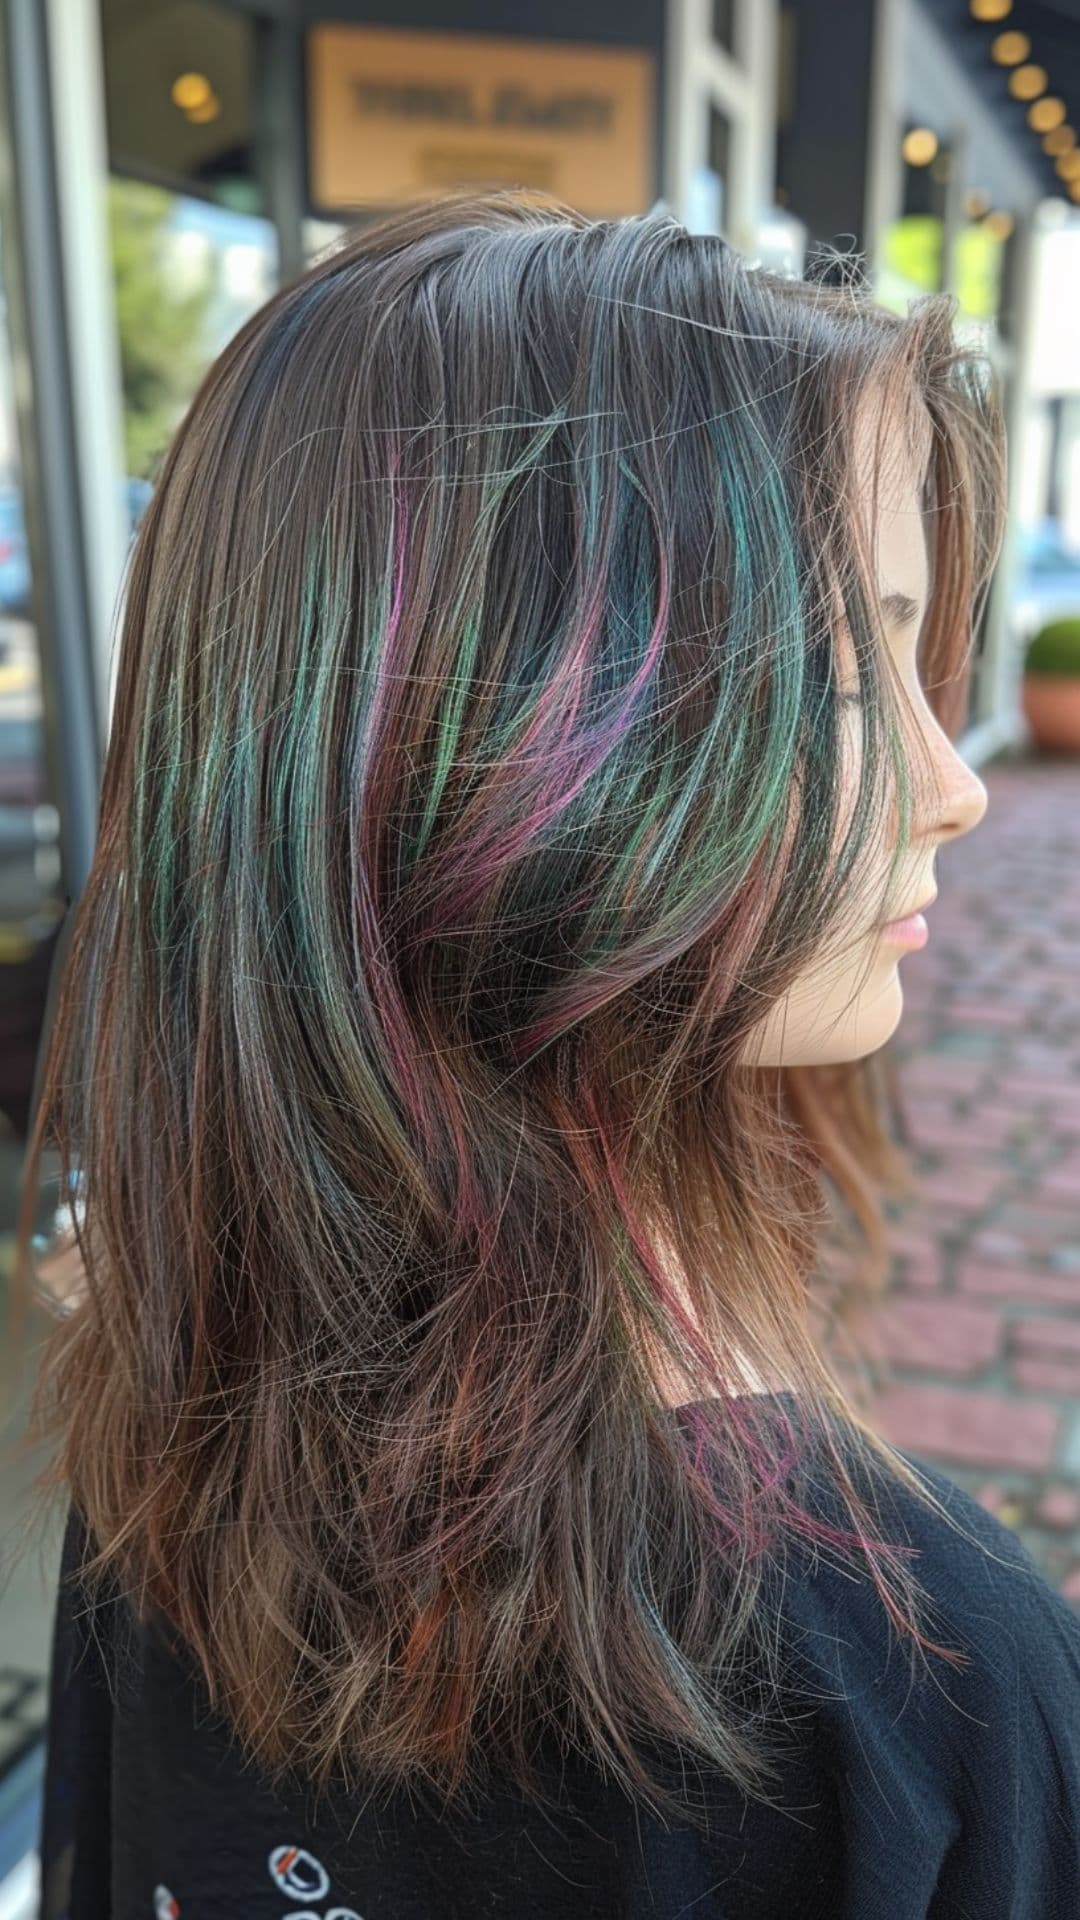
x=474, y=771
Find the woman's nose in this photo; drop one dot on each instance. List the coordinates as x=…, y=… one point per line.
x=962, y=799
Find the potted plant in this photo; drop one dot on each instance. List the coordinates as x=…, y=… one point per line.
x=1050, y=693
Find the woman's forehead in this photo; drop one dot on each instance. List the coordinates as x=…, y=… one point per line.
x=892, y=448
x=891, y=456
x=903, y=564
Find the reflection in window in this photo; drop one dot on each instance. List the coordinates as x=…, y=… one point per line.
x=319, y=236
x=912, y=260
x=178, y=97
x=976, y=279
x=706, y=188
x=979, y=664
x=187, y=274
x=982, y=274
x=192, y=253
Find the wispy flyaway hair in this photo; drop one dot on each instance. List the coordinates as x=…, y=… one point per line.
x=473, y=788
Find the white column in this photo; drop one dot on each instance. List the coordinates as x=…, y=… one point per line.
x=1000, y=694
x=76, y=81
x=885, y=126
x=700, y=73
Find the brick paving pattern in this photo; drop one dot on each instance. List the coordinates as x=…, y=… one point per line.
x=974, y=1353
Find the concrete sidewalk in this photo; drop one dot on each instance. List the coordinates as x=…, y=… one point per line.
x=976, y=1349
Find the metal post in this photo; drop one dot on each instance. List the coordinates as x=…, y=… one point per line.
x=45, y=408
x=81, y=159
x=278, y=108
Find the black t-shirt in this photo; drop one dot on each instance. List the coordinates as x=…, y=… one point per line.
x=911, y=1792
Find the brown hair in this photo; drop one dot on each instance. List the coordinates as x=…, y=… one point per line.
x=475, y=639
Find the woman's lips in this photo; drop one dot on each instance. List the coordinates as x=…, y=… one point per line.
x=912, y=932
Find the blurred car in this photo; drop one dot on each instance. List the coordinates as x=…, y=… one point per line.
x=14, y=558
x=15, y=554
x=1046, y=549
x=1047, y=580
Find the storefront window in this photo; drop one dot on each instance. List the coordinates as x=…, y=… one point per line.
x=978, y=275
x=320, y=234
x=187, y=274
x=193, y=253
x=706, y=188
x=979, y=667
x=911, y=253
x=179, y=97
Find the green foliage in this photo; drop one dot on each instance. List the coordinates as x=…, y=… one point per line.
x=161, y=321
x=1055, y=649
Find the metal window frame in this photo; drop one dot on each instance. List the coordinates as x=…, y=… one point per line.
x=698, y=73
x=33, y=268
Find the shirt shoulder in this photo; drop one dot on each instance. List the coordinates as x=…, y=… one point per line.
x=984, y=1757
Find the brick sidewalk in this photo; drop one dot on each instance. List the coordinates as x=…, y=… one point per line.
x=976, y=1351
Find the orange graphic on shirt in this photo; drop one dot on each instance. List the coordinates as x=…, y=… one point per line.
x=296, y=1871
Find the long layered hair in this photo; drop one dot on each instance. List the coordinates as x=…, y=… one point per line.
x=473, y=787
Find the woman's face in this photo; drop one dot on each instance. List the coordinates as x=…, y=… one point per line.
x=848, y=1001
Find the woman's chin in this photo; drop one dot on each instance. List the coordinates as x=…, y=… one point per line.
x=882, y=1014
x=798, y=1034
x=873, y=1023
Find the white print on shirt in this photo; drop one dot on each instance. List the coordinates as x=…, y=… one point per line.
x=332, y=1913
x=296, y=1871
x=165, y=1906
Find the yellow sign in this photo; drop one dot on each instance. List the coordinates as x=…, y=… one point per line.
x=403, y=114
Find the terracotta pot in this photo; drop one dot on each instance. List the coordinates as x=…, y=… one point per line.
x=1051, y=704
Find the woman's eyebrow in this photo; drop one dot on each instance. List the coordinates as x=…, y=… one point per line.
x=900, y=609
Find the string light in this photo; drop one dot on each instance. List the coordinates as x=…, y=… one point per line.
x=191, y=91
x=1046, y=114
x=209, y=110
x=919, y=147
x=1029, y=82
x=1008, y=49
x=1026, y=83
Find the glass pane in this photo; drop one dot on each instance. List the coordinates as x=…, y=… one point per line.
x=186, y=274
x=706, y=196
x=980, y=249
x=318, y=235
x=979, y=667
x=192, y=254
x=912, y=259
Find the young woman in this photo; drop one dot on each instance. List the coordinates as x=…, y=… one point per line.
x=540, y=664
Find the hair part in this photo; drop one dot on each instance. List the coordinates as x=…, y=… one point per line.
x=474, y=761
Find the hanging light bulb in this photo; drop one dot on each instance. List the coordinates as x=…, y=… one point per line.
x=920, y=145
